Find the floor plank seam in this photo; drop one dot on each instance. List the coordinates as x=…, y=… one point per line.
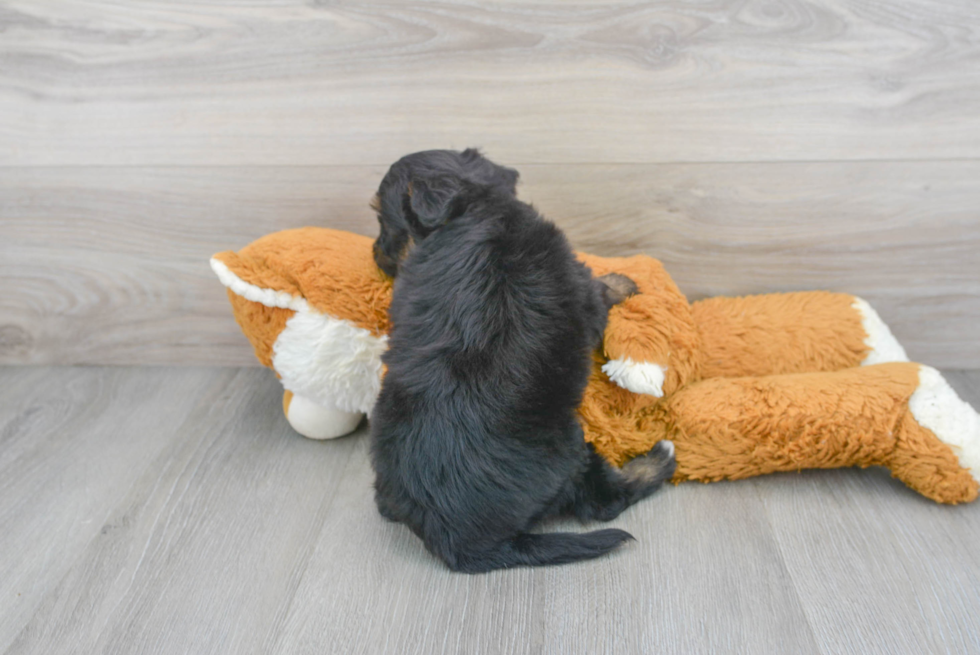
x=300, y=571
x=784, y=565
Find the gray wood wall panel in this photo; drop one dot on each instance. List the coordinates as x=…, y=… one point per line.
x=753, y=146
x=234, y=82
x=109, y=265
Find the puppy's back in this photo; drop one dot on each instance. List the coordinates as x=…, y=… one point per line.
x=494, y=302
x=488, y=357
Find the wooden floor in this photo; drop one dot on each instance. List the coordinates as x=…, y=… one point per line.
x=172, y=510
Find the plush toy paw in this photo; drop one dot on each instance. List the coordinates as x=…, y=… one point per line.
x=638, y=377
x=316, y=421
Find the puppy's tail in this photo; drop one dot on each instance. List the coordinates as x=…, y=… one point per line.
x=549, y=548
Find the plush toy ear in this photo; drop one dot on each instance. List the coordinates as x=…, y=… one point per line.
x=432, y=199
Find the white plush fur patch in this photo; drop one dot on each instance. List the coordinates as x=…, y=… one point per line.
x=884, y=346
x=937, y=407
x=325, y=360
x=330, y=361
x=638, y=377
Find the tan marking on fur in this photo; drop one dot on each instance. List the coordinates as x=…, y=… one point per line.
x=645, y=470
x=406, y=249
x=375, y=203
x=620, y=287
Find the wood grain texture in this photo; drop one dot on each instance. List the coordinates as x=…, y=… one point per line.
x=205, y=550
x=182, y=515
x=109, y=265
x=681, y=588
x=235, y=82
x=72, y=443
x=894, y=570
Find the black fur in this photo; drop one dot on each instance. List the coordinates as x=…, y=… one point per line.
x=421, y=191
x=475, y=438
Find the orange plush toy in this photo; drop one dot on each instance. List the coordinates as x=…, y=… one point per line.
x=742, y=386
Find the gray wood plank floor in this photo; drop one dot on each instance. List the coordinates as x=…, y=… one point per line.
x=172, y=510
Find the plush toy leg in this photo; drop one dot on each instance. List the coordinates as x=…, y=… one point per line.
x=316, y=421
x=939, y=435
x=791, y=333
x=732, y=428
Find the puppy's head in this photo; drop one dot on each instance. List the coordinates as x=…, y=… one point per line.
x=423, y=191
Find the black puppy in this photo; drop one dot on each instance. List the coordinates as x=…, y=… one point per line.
x=474, y=435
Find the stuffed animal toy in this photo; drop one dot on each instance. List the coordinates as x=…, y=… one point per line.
x=742, y=386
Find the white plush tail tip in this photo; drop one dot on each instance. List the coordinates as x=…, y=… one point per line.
x=937, y=407
x=883, y=344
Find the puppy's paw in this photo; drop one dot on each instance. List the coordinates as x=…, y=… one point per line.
x=646, y=473
x=617, y=288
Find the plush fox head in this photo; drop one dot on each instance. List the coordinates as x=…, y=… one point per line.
x=314, y=306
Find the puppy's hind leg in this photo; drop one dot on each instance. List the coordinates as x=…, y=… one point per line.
x=645, y=474
x=604, y=491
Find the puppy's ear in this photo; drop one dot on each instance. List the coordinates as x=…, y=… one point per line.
x=433, y=199
x=484, y=171
x=508, y=179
